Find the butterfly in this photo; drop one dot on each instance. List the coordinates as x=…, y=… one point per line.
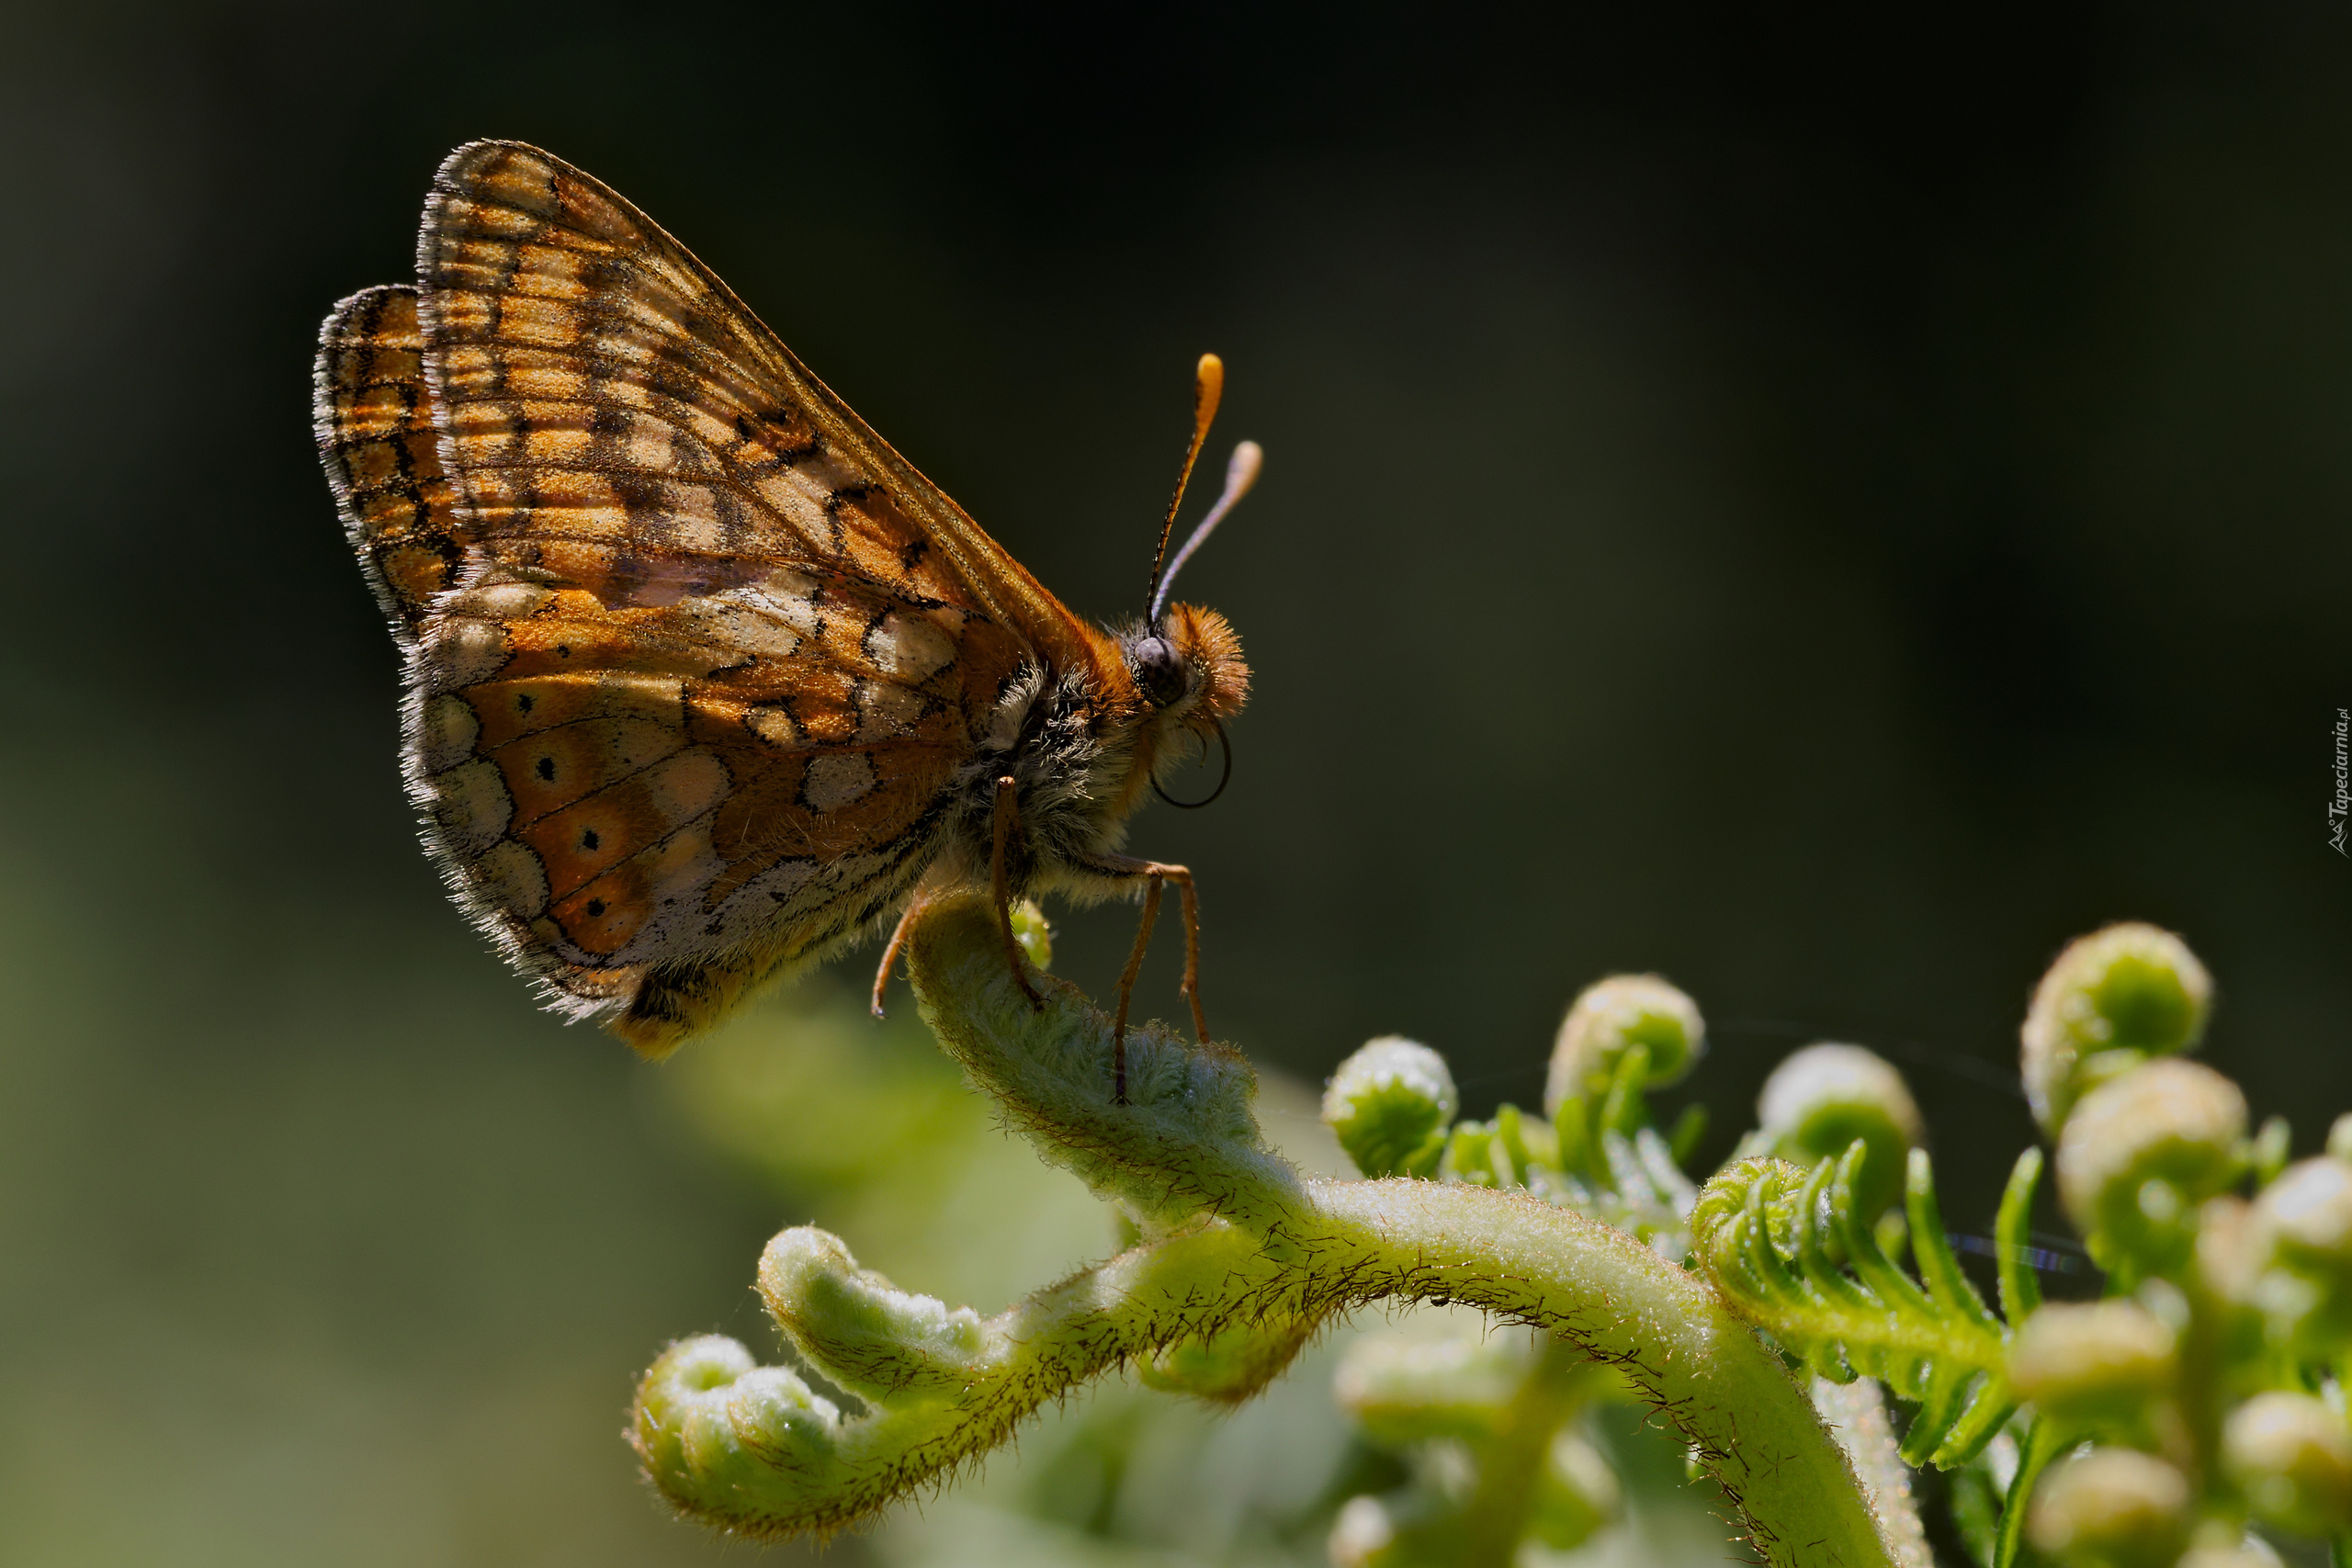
x=703, y=681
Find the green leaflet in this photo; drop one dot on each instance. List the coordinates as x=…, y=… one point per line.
x=1787, y=1250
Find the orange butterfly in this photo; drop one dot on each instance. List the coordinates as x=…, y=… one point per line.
x=703, y=680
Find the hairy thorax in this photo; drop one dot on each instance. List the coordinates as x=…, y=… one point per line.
x=1083, y=748
x=1071, y=753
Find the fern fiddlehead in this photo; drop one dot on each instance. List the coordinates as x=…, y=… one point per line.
x=1232, y=1239
x=1596, y=1152
x=2156, y=1426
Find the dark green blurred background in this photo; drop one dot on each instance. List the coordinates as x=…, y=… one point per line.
x=1821, y=503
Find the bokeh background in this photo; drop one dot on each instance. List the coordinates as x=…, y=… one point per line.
x=1824, y=501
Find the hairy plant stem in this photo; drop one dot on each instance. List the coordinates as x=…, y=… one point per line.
x=1616, y=1302
x=1234, y=1239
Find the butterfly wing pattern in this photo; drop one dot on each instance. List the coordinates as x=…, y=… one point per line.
x=383, y=458
x=686, y=678
x=696, y=661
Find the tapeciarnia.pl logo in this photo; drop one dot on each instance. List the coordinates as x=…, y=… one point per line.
x=2336, y=807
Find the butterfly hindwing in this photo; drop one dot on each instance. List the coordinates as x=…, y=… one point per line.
x=374, y=421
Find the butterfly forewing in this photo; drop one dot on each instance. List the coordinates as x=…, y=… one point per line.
x=692, y=666
x=548, y=296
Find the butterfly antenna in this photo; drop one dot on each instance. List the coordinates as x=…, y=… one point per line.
x=1208, y=386
x=1241, y=473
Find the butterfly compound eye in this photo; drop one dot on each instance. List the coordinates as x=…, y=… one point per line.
x=1159, y=669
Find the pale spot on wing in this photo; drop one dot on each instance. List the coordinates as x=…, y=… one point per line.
x=689, y=785
x=741, y=619
x=447, y=734
x=498, y=601
x=796, y=499
x=624, y=347
x=774, y=726
x=836, y=780
x=790, y=597
x=885, y=710
x=826, y=473
x=799, y=494
x=623, y=691
x=716, y=537
x=461, y=652
x=910, y=648
x=473, y=807
x=513, y=874
x=651, y=445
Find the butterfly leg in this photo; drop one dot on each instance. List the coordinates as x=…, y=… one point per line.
x=891, y=953
x=1128, y=991
x=1007, y=817
x=1191, y=901
x=1126, y=868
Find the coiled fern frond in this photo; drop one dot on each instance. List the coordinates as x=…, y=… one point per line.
x=1789, y=1249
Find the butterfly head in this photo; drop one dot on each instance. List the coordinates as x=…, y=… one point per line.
x=1188, y=671
x=1185, y=661
x=1188, y=666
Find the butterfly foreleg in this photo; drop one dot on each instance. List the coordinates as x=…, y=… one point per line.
x=1007, y=822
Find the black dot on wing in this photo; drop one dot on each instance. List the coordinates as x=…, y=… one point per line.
x=596, y=908
x=588, y=840
x=546, y=768
x=563, y=651
x=525, y=702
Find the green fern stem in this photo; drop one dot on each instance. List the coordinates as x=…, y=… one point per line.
x=1232, y=1238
